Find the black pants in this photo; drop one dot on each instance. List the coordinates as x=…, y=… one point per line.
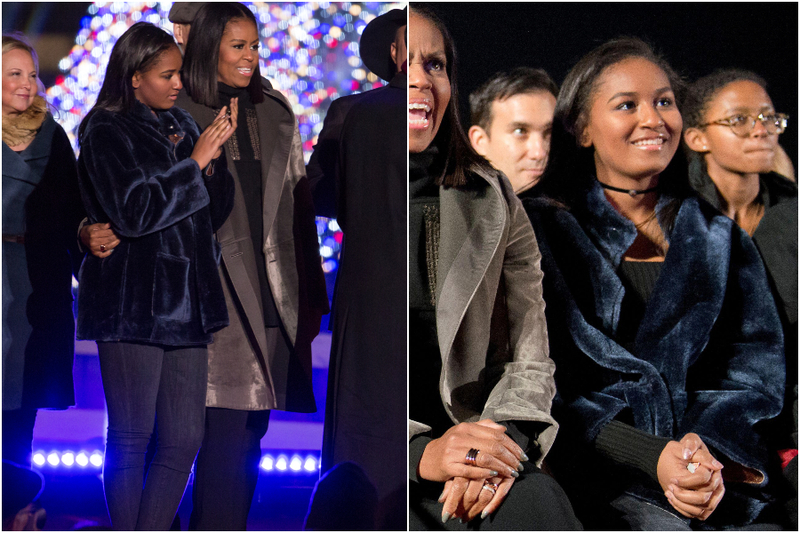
x=227, y=469
x=536, y=502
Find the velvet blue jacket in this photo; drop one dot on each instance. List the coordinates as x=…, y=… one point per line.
x=160, y=284
x=708, y=354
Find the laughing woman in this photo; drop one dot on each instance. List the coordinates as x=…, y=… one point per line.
x=153, y=303
x=659, y=309
x=480, y=378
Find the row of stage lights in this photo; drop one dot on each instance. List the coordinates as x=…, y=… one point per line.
x=291, y=463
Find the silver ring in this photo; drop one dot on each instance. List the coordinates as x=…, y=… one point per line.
x=491, y=487
x=472, y=456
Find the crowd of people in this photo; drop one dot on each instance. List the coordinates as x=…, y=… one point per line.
x=658, y=327
x=589, y=293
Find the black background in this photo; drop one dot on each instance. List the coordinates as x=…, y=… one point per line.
x=695, y=38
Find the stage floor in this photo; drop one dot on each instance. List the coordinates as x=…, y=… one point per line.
x=73, y=496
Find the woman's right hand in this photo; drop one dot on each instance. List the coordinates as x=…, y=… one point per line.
x=693, y=494
x=445, y=458
x=209, y=144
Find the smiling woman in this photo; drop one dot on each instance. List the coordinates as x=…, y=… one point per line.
x=659, y=308
x=270, y=268
x=41, y=212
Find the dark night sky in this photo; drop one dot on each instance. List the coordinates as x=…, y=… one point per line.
x=696, y=39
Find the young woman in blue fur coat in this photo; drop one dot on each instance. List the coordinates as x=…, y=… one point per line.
x=153, y=303
x=667, y=342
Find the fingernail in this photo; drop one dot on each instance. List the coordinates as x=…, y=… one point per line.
x=673, y=481
x=514, y=473
x=445, y=517
x=463, y=521
x=524, y=457
x=441, y=496
x=687, y=454
x=493, y=473
x=708, y=497
x=484, y=514
x=717, y=464
x=520, y=467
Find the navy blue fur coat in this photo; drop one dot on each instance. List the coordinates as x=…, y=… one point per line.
x=708, y=353
x=160, y=285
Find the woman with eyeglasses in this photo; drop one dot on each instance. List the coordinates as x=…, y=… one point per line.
x=732, y=134
x=666, y=340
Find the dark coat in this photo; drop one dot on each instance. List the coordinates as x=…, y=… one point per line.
x=708, y=353
x=41, y=201
x=244, y=371
x=776, y=240
x=323, y=167
x=365, y=412
x=160, y=285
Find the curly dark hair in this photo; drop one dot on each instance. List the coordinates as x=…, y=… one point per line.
x=702, y=92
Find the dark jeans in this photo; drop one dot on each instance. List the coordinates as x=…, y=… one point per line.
x=227, y=469
x=141, y=382
x=536, y=502
x=18, y=435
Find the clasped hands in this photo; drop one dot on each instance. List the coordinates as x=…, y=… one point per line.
x=693, y=494
x=470, y=490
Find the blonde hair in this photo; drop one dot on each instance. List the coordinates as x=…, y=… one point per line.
x=18, y=41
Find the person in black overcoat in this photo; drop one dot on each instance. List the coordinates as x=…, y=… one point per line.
x=365, y=418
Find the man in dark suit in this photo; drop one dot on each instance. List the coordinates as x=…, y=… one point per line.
x=365, y=414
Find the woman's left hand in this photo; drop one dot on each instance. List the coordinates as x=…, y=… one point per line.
x=467, y=498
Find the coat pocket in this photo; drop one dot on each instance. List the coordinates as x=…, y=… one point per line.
x=171, y=288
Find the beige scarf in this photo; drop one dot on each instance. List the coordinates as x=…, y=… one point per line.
x=22, y=128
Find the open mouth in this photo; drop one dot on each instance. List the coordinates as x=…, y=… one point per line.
x=651, y=143
x=419, y=114
x=245, y=71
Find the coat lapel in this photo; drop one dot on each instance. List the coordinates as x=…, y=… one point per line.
x=695, y=270
x=234, y=238
x=472, y=224
x=276, y=133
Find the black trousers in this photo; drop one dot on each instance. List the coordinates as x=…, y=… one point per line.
x=226, y=471
x=536, y=502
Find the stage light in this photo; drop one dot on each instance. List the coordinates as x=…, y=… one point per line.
x=52, y=459
x=296, y=463
x=310, y=464
x=82, y=459
x=38, y=459
x=68, y=458
x=267, y=463
x=96, y=459
x=282, y=463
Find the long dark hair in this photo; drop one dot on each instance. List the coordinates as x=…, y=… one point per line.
x=451, y=140
x=570, y=168
x=202, y=52
x=138, y=50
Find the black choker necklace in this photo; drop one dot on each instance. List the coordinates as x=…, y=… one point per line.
x=632, y=192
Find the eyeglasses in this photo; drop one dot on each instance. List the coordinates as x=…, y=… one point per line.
x=742, y=125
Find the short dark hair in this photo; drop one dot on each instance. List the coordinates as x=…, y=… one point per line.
x=502, y=85
x=202, y=52
x=702, y=92
x=137, y=50
x=452, y=142
x=570, y=167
